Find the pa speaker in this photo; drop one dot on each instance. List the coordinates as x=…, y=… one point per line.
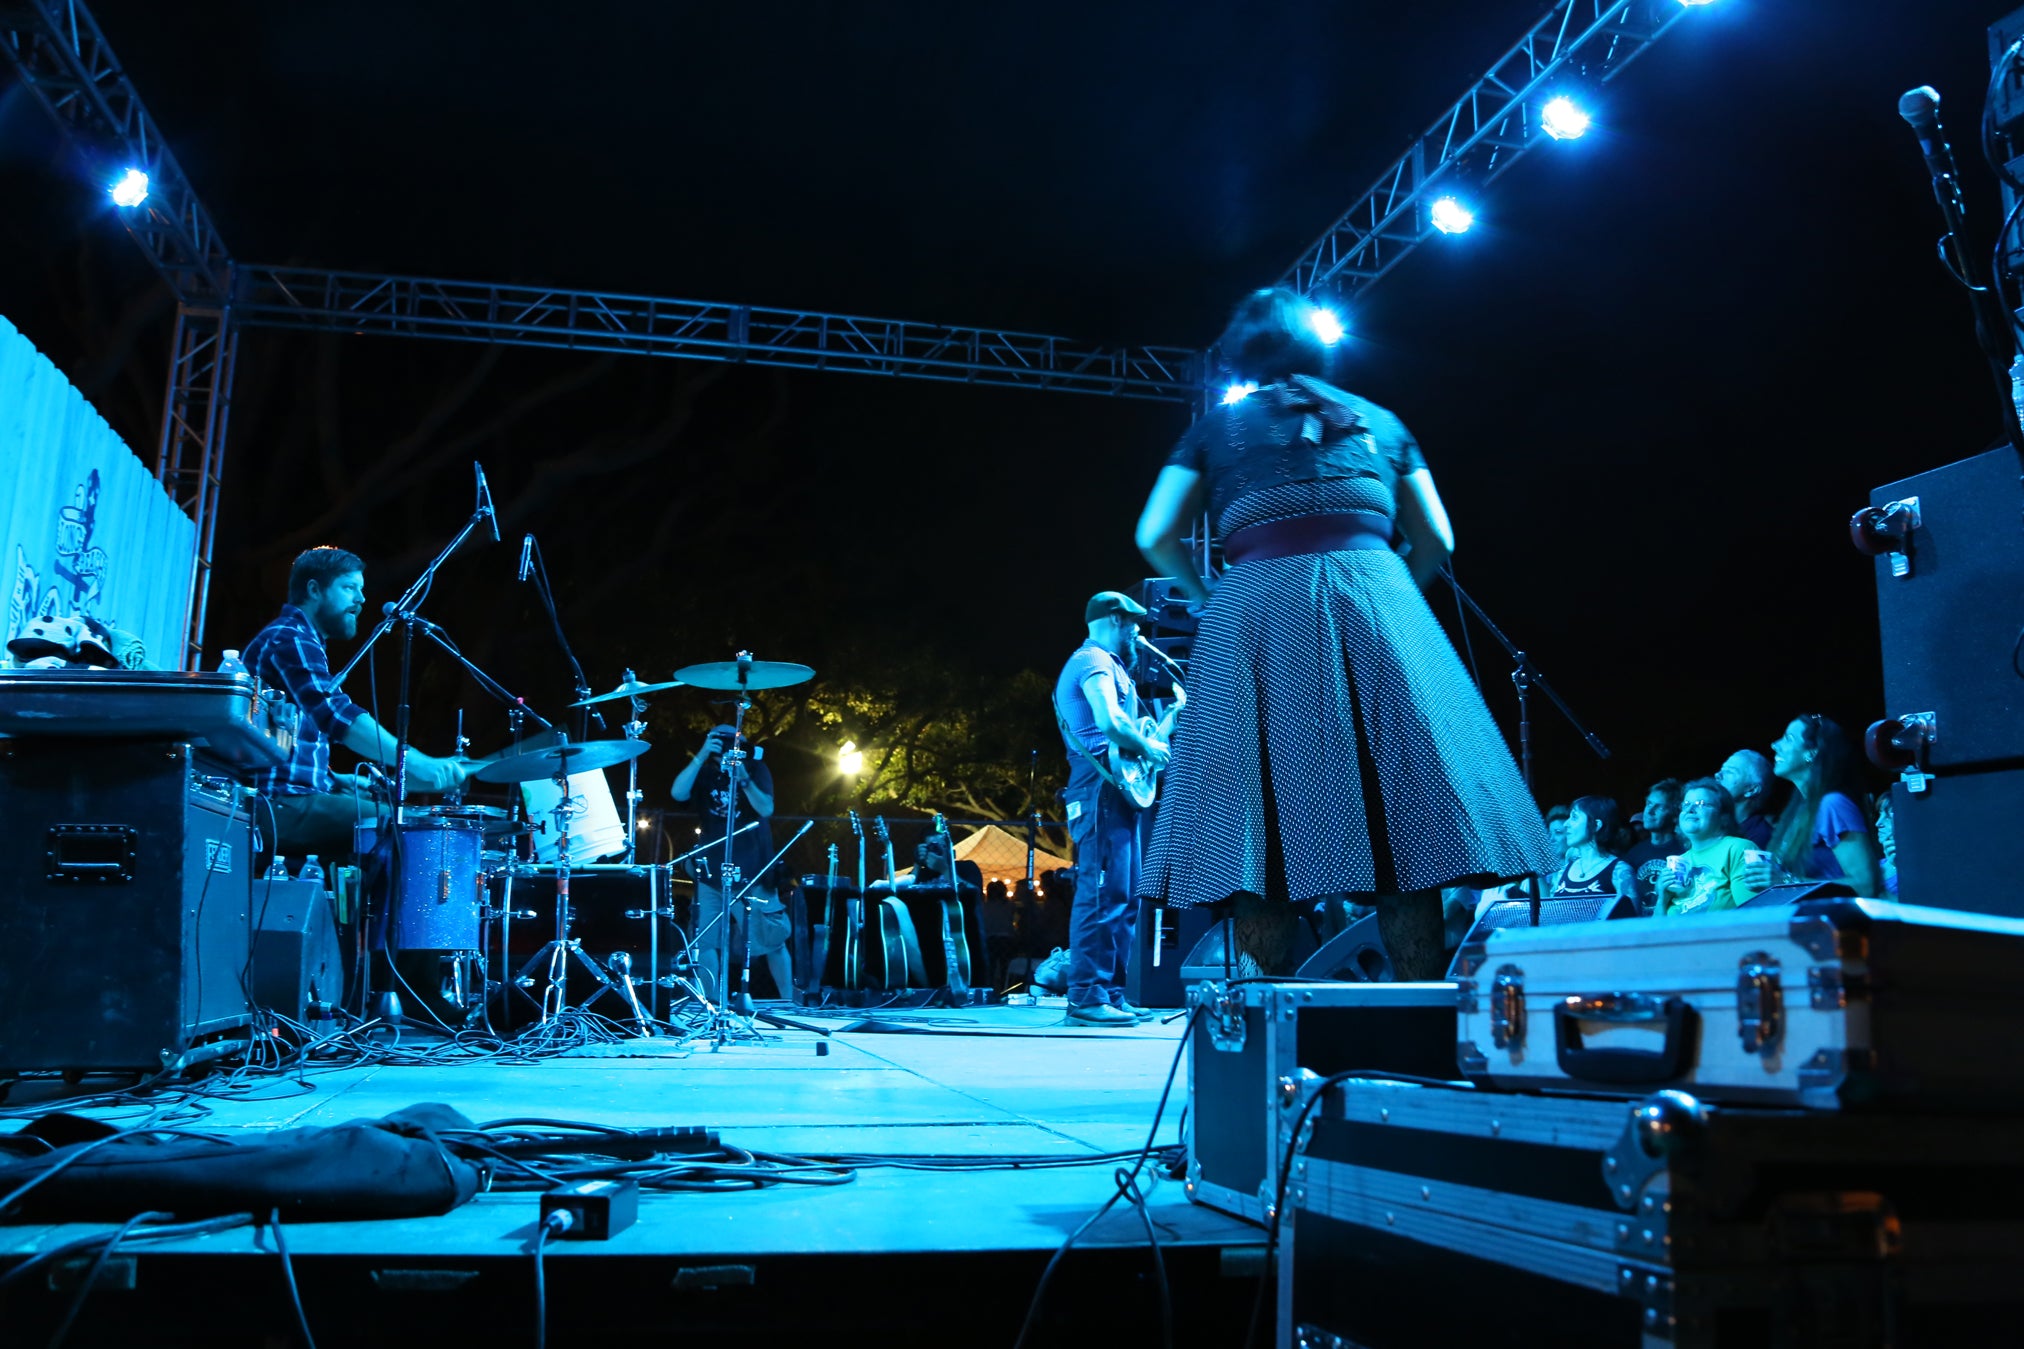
x=1354, y=955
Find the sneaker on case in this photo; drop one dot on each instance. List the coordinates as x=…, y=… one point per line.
x=1052, y=975
x=1101, y=1014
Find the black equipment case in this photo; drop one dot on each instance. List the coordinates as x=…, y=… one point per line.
x=1422, y=1216
x=1248, y=1043
x=124, y=922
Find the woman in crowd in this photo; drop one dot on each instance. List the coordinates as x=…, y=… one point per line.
x=1822, y=833
x=1591, y=865
x=1709, y=875
x=1332, y=742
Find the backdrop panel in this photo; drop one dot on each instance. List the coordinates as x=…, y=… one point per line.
x=84, y=527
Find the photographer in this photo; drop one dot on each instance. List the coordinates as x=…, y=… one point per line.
x=705, y=776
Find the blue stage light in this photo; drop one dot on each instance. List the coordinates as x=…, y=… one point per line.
x=1326, y=325
x=1562, y=119
x=1449, y=216
x=1237, y=393
x=1695, y=4
x=131, y=190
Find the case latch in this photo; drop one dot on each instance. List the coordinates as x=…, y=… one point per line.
x=1222, y=1014
x=1760, y=1003
x=1507, y=1007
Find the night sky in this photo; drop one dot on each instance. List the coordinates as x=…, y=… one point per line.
x=1653, y=383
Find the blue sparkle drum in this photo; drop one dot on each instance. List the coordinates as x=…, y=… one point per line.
x=439, y=885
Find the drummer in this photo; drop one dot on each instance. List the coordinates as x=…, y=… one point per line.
x=313, y=809
x=751, y=851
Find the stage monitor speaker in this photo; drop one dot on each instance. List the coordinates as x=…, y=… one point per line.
x=1506, y=913
x=297, y=962
x=1355, y=955
x=1163, y=985
x=1795, y=892
x=1960, y=844
x=1950, y=620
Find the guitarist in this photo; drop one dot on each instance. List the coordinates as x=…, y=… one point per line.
x=1097, y=706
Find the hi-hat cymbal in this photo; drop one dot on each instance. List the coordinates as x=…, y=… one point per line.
x=532, y=765
x=722, y=675
x=632, y=688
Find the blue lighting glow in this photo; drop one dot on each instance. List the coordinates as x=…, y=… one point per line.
x=1449, y=216
x=1237, y=393
x=1694, y=4
x=1327, y=326
x=1562, y=119
x=131, y=190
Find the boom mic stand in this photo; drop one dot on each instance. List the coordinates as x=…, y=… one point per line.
x=1525, y=678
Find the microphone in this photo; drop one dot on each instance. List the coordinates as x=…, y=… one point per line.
x=1165, y=659
x=390, y=609
x=526, y=555
x=485, y=501
x=1920, y=108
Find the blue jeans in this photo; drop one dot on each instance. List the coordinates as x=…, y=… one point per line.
x=1105, y=831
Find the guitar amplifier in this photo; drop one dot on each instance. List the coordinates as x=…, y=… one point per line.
x=124, y=922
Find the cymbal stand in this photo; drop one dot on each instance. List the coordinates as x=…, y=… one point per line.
x=556, y=953
x=634, y=729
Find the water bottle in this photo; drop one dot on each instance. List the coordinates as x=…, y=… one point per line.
x=277, y=870
x=229, y=662
x=311, y=870
x=2017, y=386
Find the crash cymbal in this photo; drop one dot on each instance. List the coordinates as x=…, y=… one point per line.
x=632, y=688
x=532, y=765
x=722, y=675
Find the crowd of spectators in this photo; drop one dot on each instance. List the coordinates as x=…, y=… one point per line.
x=1023, y=925
x=1715, y=842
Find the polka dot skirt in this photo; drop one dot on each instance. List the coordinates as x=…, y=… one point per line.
x=1332, y=742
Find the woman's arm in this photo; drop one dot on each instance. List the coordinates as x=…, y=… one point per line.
x=1172, y=504
x=1424, y=521
x=1861, y=863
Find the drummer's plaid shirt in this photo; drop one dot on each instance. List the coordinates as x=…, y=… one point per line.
x=288, y=654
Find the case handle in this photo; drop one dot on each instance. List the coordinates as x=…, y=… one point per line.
x=1624, y=1066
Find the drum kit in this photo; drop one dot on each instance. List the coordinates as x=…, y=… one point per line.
x=444, y=866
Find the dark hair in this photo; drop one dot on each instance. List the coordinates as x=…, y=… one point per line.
x=1670, y=789
x=1269, y=337
x=1836, y=769
x=321, y=565
x=1556, y=813
x=1725, y=801
x=1605, y=820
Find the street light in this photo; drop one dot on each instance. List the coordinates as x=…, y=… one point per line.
x=850, y=759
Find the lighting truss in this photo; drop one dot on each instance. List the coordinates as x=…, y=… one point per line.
x=576, y=320
x=1493, y=123
x=57, y=49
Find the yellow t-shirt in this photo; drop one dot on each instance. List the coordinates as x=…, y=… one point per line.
x=1706, y=879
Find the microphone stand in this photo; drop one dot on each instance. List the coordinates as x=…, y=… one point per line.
x=569, y=653
x=1525, y=678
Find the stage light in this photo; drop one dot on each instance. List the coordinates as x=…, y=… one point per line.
x=1696, y=4
x=1326, y=325
x=1449, y=216
x=1237, y=393
x=850, y=759
x=131, y=190
x=1563, y=119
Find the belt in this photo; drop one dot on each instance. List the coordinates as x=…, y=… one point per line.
x=1337, y=531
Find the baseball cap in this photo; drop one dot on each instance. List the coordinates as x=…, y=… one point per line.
x=1104, y=603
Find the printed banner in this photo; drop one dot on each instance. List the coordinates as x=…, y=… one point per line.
x=85, y=530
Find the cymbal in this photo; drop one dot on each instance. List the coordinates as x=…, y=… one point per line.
x=532, y=765
x=632, y=688
x=722, y=675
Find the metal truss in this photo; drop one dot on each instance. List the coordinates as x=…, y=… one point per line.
x=1580, y=42
x=190, y=462
x=536, y=316
x=57, y=49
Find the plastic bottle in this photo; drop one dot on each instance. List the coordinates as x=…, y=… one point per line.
x=229, y=662
x=277, y=870
x=2017, y=385
x=311, y=870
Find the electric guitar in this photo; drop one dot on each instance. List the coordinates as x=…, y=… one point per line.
x=853, y=928
x=898, y=940
x=821, y=925
x=955, y=937
x=1137, y=780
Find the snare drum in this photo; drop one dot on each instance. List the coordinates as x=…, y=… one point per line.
x=439, y=883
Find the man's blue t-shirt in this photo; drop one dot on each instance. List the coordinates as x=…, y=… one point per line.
x=1078, y=719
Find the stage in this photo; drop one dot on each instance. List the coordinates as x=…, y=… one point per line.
x=903, y=1255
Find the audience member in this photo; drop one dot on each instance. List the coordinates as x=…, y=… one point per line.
x=1556, y=830
x=1590, y=865
x=1747, y=776
x=1886, y=840
x=996, y=919
x=1822, y=834
x=1709, y=875
x=1660, y=819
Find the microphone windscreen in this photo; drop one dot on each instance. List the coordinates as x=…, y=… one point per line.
x=1921, y=108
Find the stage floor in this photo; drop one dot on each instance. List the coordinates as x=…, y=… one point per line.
x=860, y=1257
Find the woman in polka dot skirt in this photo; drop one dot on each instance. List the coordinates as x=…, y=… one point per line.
x=1332, y=743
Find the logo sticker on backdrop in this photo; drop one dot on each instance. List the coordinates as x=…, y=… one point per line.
x=79, y=568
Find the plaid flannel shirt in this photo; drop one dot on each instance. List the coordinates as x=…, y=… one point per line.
x=288, y=654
